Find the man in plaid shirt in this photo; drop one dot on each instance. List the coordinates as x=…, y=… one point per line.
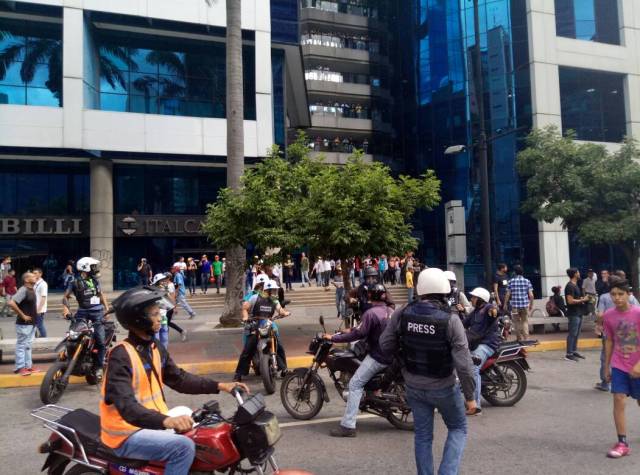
x=520, y=294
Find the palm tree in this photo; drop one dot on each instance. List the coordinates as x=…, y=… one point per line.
x=235, y=255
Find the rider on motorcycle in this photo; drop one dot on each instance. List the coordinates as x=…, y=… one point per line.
x=457, y=299
x=133, y=407
x=359, y=298
x=483, y=333
x=373, y=323
x=92, y=304
x=260, y=307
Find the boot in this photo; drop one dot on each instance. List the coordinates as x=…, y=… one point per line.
x=342, y=432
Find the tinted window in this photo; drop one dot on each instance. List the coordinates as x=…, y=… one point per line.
x=590, y=20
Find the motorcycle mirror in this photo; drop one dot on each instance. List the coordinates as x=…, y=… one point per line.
x=322, y=323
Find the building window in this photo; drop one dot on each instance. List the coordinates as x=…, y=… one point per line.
x=31, y=62
x=166, y=75
x=592, y=104
x=590, y=20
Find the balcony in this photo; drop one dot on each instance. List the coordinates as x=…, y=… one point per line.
x=341, y=88
x=342, y=54
x=338, y=158
x=318, y=15
x=336, y=122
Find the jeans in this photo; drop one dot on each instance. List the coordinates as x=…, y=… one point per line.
x=603, y=381
x=204, y=282
x=42, y=331
x=319, y=279
x=398, y=274
x=575, y=324
x=482, y=352
x=340, y=303
x=450, y=405
x=410, y=294
x=146, y=444
x=163, y=336
x=94, y=315
x=182, y=300
x=305, y=278
x=361, y=276
x=24, y=335
x=218, y=282
x=352, y=278
x=367, y=370
x=192, y=284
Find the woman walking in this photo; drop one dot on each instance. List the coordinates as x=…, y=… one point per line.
x=192, y=269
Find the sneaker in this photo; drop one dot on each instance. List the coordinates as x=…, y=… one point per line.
x=99, y=374
x=183, y=335
x=34, y=370
x=24, y=372
x=342, y=432
x=602, y=387
x=618, y=450
x=192, y=316
x=571, y=358
x=578, y=355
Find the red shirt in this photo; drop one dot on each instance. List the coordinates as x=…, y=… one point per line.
x=9, y=284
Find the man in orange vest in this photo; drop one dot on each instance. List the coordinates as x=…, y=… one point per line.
x=133, y=407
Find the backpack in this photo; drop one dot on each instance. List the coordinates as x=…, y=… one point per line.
x=552, y=308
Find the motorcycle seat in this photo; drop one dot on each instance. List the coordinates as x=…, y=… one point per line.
x=87, y=426
x=344, y=354
x=508, y=345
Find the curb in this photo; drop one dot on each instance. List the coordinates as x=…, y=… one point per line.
x=229, y=366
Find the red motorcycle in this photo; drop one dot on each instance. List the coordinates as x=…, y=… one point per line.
x=503, y=375
x=222, y=445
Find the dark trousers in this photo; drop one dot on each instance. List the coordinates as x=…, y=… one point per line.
x=171, y=324
x=287, y=280
x=42, y=331
x=250, y=347
x=218, y=282
x=204, y=285
x=95, y=317
x=192, y=284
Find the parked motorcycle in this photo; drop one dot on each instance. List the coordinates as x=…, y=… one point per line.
x=303, y=392
x=242, y=444
x=76, y=357
x=503, y=375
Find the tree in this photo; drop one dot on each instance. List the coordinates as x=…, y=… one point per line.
x=234, y=252
x=341, y=211
x=595, y=193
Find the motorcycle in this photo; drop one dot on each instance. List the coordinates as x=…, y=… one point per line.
x=267, y=354
x=503, y=375
x=222, y=445
x=303, y=392
x=76, y=357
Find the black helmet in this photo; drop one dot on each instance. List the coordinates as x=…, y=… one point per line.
x=129, y=307
x=370, y=272
x=377, y=293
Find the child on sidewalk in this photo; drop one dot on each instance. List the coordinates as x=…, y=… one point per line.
x=622, y=358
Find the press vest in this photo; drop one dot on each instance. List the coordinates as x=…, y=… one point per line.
x=114, y=430
x=264, y=307
x=84, y=290
x=425, y=346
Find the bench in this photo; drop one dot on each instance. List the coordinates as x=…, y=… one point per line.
x=539, y=319
x=39, y=345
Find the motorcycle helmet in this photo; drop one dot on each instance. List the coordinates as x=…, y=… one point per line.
x=160, y=277
x=451, y=277
x=89, y=265
x=482, y=294
x=130, y=306
x=371, y=276
x=433, y=281
x=377, y=293
x=262, y=279
x=271, y=285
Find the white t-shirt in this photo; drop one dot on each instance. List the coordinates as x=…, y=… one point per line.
x=327, y=266
x=181, y=265
x=42, y=290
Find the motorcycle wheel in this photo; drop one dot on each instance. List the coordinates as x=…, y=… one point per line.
x=295, y=397
x=52, y=386
x=268, y=373
x=79, y=469
x=91, y=378
x=511, y=385
x=400, y=418
x=255, y=362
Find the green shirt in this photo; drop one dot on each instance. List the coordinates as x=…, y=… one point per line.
x=304, y=264
x=217, y=267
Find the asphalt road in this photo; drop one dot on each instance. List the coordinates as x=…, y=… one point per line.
x=562, y=426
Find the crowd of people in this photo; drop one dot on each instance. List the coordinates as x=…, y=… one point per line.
x=339, y=40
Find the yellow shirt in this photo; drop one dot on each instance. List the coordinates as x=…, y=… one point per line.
x=409, y=280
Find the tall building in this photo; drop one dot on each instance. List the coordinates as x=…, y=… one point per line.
x=346, y=48
x=113, y=124
x=571, y=63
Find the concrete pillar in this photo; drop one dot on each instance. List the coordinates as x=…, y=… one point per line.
x=72, y=76
x=101, y=218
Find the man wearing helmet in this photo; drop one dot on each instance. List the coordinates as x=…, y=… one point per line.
x=359, y=299
x=92, y=303
x=260, y=306
x=133, y=410
x=483, y=334
x=373, y=323
x=457, y=299
x=432, y=343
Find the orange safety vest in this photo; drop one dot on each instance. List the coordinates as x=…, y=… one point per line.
x=114, y=430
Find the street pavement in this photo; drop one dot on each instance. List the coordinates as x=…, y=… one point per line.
x=562, y=426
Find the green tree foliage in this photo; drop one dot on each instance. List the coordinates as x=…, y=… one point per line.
x=341, y=211
x=594, y=192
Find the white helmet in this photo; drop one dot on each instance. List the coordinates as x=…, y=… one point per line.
x=89, y=265
x=451, y=277
x=158, y=277
x=433, y=281
x=271, y=285
x=482, y=294
x=262, y=279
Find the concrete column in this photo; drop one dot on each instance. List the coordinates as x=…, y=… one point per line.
x=101, y=218
x=545, y=99
x=72, y=76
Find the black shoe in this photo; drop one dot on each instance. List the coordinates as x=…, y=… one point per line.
x=284, y=372
x=342, y=432
x=237, y=378
x=571, y=358
x=476, y=360
x=578, y=355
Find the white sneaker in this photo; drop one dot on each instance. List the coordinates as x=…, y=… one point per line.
x=183, y=335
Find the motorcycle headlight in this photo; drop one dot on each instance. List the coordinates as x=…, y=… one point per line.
x=73, y=335
x=264, y=331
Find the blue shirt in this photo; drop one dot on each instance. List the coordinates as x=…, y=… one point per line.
x=519, y=288
x=206, y=267
x=605, y=302
x=178, y=279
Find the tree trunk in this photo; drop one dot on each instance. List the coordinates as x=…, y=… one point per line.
x=635, y=255
x=231, y=315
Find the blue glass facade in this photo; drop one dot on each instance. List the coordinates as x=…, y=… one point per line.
x=279, y=113
x=443, y=93
x=284, y=21
x=30, y=62
x=589, y=20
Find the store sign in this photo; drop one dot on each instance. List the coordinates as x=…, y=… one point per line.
x=42, y=227
x=152, y=225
